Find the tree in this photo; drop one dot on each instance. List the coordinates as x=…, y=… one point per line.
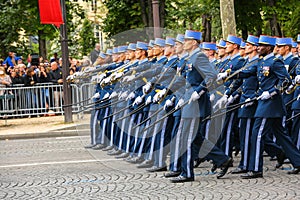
x=87, y=39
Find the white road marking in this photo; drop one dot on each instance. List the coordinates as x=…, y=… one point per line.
x=56, y=162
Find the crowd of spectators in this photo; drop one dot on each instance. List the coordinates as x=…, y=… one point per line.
x=14, y=70
x=17, y=72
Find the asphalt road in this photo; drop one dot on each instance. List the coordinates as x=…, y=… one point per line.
x=60, y=168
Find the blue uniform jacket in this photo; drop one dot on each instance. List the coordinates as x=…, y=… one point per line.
x=199, y=73
x=272, y=75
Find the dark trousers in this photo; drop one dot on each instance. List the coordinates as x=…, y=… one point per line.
x=260, y=129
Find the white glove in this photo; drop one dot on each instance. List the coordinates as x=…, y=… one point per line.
x=71, y=77
x=123, y=95
x=137, y=101
x=156, y=98
x=168, y=103
x=146, y=87
x=247, y=104
x=119, y=75
x=106, y=96
x=161, y=93
x=265, y=95
x=212, y=97
x=93, y=79
x=113, y=95
x=130, y=96
x=129, y=78
x=221, y=102
x=230, y=100
x=105, y=81
x=195, y=96
x=148, y=100
x=297, y=79
x=180, y=103
x=222, y=76
x=96, y=96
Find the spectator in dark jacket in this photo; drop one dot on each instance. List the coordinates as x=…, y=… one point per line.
x=56, y=78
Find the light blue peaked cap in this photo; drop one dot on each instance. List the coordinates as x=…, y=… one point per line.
x=195, y=35
x=222, y=44
x=252, y=40
x=160, y=42
x=209, y=46
x=109, y=52
x=294, y=45
x=267, y=40
x=170, y=41
x=102, y=55
x=115, y=50
x=180, y=38
x=142, y=45
x=234, y=39
x=122, y=49
x=243, y=45
x=151, y=43
x=284, y=41
x=131, y=46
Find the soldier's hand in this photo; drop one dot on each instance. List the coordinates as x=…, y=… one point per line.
x=137, y=101
x=146, y=88
x=195, y=96
x=96, y=96
x=106, y=96
x=297, y=79
x=221, y=102
x=148, y=100
x=123, y=95
x=212, y=97
x=168, y=103
x=113, y=95
x=130, y=96
x=222, y=76
x=179, y=104
x=265, y=95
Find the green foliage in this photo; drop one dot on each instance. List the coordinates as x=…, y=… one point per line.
x=122, y=15
x=86, y=40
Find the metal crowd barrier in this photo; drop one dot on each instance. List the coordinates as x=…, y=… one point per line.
x=41, y=99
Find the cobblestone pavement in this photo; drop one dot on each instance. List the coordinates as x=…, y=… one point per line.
x=60, y=168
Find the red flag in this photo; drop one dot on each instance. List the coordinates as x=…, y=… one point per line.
x=50, y=12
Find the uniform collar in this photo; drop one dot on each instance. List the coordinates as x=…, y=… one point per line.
x=143, y=61
x=287, y=56
x=186, y=54
x=195, y=51
x=234, y=56
x=254, y=58
x=172, y=57
x=269, y=56
x=160, y=58
x=213, y=60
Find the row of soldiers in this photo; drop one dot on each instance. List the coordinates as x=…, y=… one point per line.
x=172, y=96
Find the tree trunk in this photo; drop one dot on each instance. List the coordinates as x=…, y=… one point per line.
x=206, y=24
x=274, y=25
x=245, y=34
x=227, y=17
x=42, y=44
x=162, y=12
x=150, y=13
x=144, y=13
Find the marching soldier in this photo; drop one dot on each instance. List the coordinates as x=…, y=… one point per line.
x=230, y=125
x=284, y=46
x=272, y=77
x=191, y=126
